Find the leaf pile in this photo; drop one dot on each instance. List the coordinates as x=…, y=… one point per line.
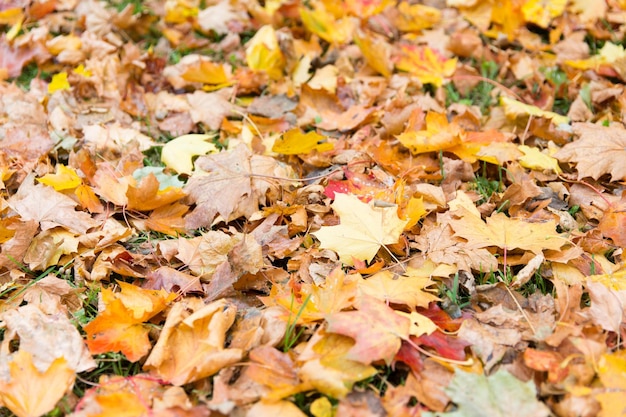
x=285, y=207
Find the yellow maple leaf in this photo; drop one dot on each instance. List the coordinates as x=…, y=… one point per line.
x=541, y=12
x=506, y=233
x=263, y=53
x=323, y=24
x=420, y=324
x=416, y=17
x=65, y=178
x=294, y=142
x=31, y=392
x=376, y=51
x=534, y=159
x=59, y=82
x=612, y=373
x=439, y=135
x=514, y=109
x=327, y=367
x=411, y=289
x=363, y=230
x=364, y=9
x=426, y=64
x=177, y=153
x=80, y=70
x=206, y=72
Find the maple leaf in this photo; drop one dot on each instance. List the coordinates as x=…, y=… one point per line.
x=277, y=371
x=612, y=371
x=376, y=328
x=229, y=186
x=177, y=153
x=506, y=233
x=45, y=337
x=376, y=51
x=439, y=135
x=326, y=365
x=500, y=394
x=168, y=219
x=263, y=53
x=147, y=195
x=409, y=289
x=426, y=64
x=295, y=142
x=49, y=207
x=120, y=326
x=598, y=150
x=31, y=392
x=64, y=179
x=314, y=302
x=363, y=230
x=191, y=344
x=322, y=23
x=514, y=108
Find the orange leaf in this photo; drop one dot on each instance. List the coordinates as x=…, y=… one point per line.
x=439, y=135
x=147, y=196
x=168, y=219
x=191, y=344
x=120, y=326
x=206, y=72
x=277, y=371
x=31, y=392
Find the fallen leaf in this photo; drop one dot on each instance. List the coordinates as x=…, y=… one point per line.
x=121, y=325
x=232, y=185
x=49, y=207
x=191, y=345
x=295, y=142
x=598, y=150
x=500, y=394
x=410, y=289
x=426, y=64
x=363, y=230
x=376, y=328
x=506, y=233
x=177, y=153
x=30, y=392
x=64, y=179
x=263, y=53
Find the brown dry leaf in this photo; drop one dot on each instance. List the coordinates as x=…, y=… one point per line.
x=49, y=207
x=192, y=343
x=45, y=337
x=228, y=186
x=598, y=150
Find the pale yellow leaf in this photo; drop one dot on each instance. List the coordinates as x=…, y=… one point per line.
x=363, y=230
x=177, y=153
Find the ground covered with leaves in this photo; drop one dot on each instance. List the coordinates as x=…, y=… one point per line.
x=323, y=208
